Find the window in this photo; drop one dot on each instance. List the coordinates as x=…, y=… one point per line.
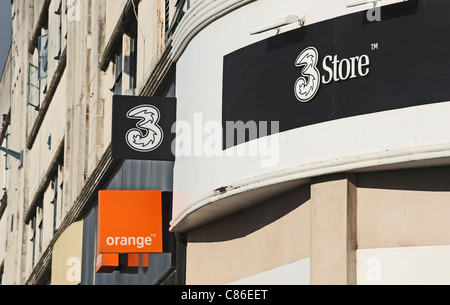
x=43, y=56
x=117, y=89
x=6, y=155
x=125, y=71
x=61, y=189
x=133, y=61
x=41, y=231
x=33, y=240
x=167, y=16
x=60, y=16
x=33, y=87
x=130, y=40
x=181, y=7
x=36, y=232
x=55, y=187
x=2, y=267
x=3, y=204
x=125, y=59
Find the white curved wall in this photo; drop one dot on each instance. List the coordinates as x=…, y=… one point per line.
x=355, y=143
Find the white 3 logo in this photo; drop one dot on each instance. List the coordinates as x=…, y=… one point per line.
x=308, y=84
x=148, y=135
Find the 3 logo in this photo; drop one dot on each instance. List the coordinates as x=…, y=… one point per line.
x=308, y=84
x=335, y=69
x=148, y=135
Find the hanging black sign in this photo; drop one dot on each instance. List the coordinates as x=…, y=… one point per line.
x=342, y=67
x=141, y=127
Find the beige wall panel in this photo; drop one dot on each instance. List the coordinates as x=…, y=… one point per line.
x=333, y=236
x=404, y=208
x=262, y=238
x=67, y=256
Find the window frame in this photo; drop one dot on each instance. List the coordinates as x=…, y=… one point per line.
x=43, y=57
x=34, y=84
x=118, y=72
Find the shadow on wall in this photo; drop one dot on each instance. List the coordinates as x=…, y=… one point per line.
x=244, y=223
x=435, y=179
x=253, y=219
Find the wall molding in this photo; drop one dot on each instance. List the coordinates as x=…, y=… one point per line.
x=202, y=13
x=212, y=206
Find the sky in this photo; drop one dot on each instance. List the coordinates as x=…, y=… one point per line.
x=5, y=31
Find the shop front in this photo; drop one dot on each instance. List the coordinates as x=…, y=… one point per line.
x=126, y=238
x=288, y=116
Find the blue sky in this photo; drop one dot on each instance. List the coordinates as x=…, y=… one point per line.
x=5, y=31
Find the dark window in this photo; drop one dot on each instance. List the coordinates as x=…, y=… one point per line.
x=43, y=56
x=59, y=13
x=118, y=73
x=133, y=61
x=33, y=86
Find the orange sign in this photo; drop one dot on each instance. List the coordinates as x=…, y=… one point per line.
x=107, y=263
x=130, y=222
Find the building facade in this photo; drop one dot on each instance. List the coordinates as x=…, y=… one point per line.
x=311, y=146
x=68, y=59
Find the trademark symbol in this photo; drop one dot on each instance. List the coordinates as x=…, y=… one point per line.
x=374, y=46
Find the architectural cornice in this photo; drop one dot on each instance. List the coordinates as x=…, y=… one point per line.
x=242, y=194
x=202, y=13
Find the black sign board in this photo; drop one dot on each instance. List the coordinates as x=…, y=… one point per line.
x=342, y=67
x=142, y=127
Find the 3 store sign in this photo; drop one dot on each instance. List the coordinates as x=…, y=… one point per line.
x=341, y=67
x=307, y=85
